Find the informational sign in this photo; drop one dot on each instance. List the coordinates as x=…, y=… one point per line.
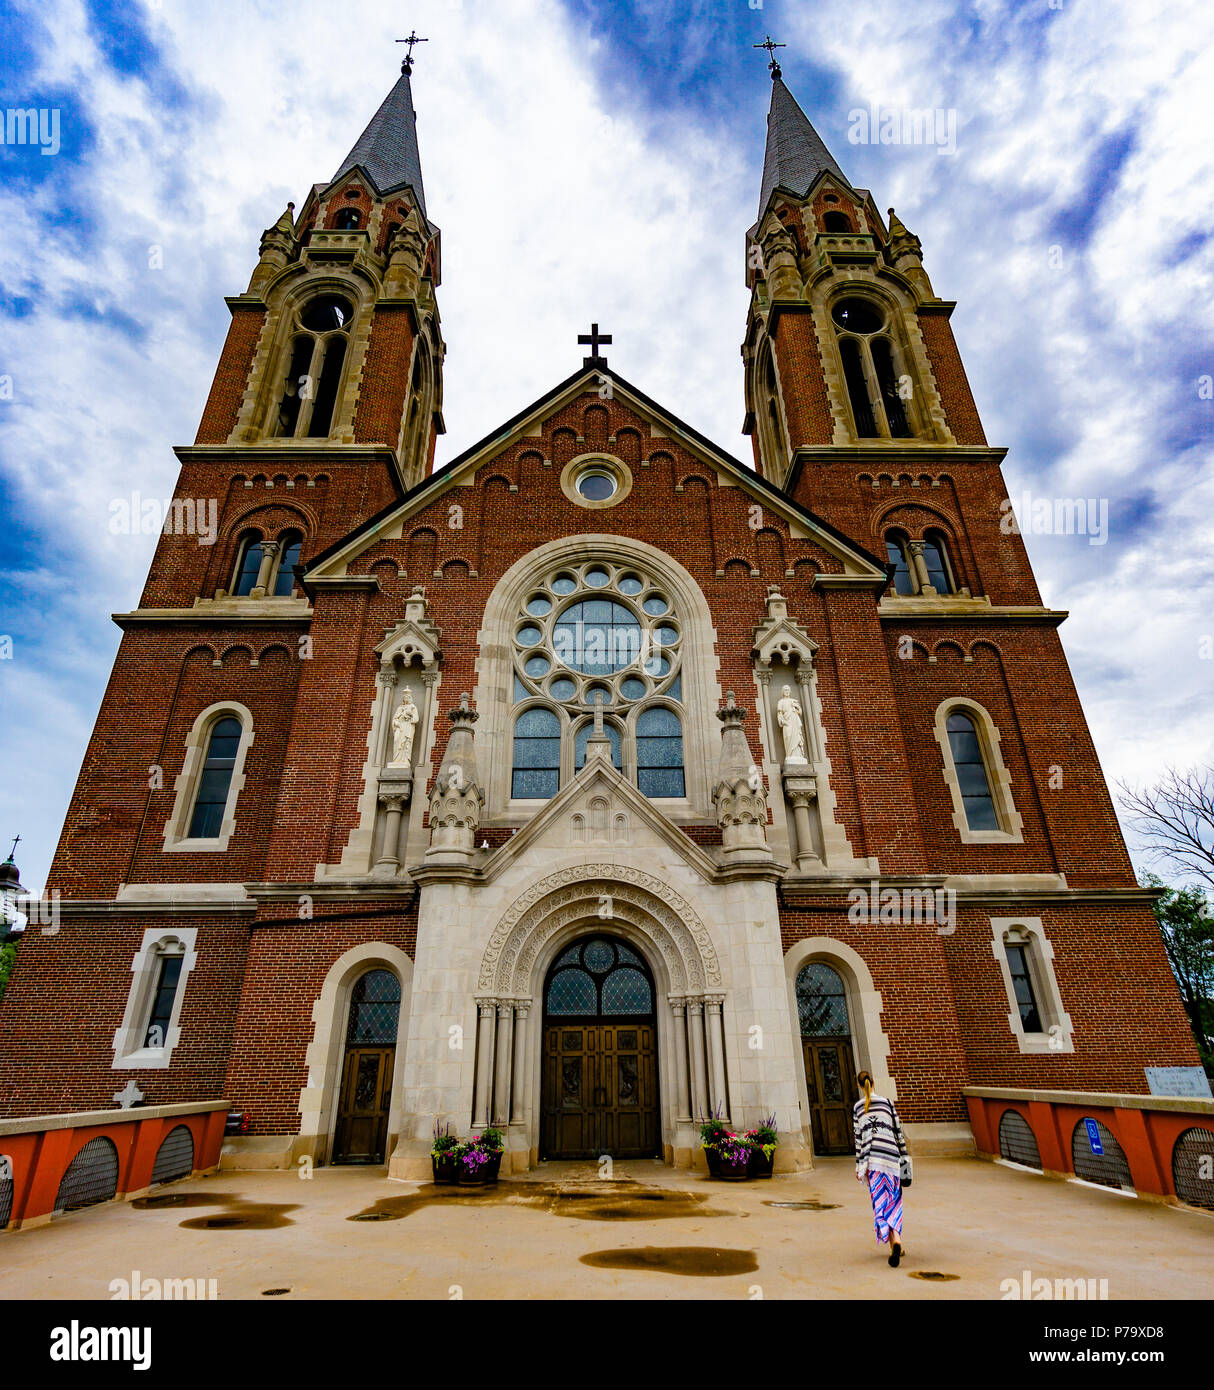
x=1178, y=1081
x=1094, y=1137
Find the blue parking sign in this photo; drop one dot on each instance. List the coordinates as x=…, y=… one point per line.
x=1094, y=1137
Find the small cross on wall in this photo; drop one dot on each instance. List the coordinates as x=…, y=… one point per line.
x=129, y=1095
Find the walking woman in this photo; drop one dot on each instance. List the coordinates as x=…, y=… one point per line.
x=881, y=1156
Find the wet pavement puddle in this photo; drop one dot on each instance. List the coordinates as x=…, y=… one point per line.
x=698, y=1261
x=811, y=1205
x=238, y=1215
x=932, y=1274
x=614, y=1201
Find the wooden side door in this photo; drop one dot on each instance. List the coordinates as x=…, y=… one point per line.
x=830, y=1079
x=362, y=1114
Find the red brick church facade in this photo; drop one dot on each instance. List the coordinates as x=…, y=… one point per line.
x=842, y=811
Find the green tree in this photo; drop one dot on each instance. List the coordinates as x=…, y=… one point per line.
x=8, y=958
x=1187, y=929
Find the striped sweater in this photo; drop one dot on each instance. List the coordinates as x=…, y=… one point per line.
x=880, y=1142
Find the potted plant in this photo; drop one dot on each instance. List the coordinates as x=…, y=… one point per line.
x=763, y=1140
x=472, y=1163
x=735, y=1154
x=493, y=1141
x=442, y=1154
x=713, y=1133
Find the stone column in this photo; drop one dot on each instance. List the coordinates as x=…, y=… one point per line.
x=486, y=1009
x=505, y=1061
x=269, y=553
x=713, y=1027
x=383, y=729
x=389, y=853
x=522, y=1078
x=919, y=567
x=680, y=1059
x=700, y=1104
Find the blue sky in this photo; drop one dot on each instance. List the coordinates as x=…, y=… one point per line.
x=590, y=160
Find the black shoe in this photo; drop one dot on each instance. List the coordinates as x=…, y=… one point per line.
x=895, y=1256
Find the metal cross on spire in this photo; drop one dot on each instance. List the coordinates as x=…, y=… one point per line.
x=407, y=66
x=16, y=842
x=592, y=340
x=771, y=47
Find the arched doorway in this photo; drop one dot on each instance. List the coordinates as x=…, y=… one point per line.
x=366, y=1079
x=830, y=1069
x=599, y=1088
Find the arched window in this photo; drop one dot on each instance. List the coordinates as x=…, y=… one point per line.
x=170, y=959
x=895, y=548
x=290, y=545
x=660, y=752
x=248, y=564
x=604, y=630
x=537, y=755
x=215, y=781
x=972, y=778
x=1022, y=982
x=857, y=389
x=374, y=1010
x=935, y=558
x=773, y=451
x=315, y=365
x=837, y=222
x=599, y=976
x=867, y=352
x=348, y=220
x=821, y=1001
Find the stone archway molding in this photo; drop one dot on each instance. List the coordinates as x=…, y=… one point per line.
x=570, y=895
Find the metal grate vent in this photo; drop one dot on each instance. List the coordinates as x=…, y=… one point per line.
x=91, y=1177
x=1193, y=1167
x=6, y=1190
x=175, y=1157
x=1109, y=1168
x=1017, y=1142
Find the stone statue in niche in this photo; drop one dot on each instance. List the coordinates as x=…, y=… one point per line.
x=404, y=725
x=792, y=726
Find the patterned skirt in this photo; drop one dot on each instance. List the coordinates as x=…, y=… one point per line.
x=886, y=1192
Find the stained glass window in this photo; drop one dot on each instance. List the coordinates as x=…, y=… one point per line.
x=1022, y=983
x=374, y=1009
x=162, y=1002
x=895, y=548
x=598, y=976
x=821, y=1001
x=284, y=580
x=660, y=753
x=937, y=566
x=537, y=754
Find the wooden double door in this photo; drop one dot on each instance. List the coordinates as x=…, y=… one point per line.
x=830, y=1079
x=600, y=1090
x=362, y=1107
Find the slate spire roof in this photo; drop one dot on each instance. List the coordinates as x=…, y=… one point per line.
x=387, y=149
x=795, y=153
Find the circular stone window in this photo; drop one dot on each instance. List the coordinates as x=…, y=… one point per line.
x=595, y=485
x=596, y=480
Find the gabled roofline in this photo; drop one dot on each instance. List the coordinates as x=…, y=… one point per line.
x=744, y=473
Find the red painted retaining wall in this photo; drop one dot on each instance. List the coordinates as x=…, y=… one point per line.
x=1146, y=1127
x=39, y=1149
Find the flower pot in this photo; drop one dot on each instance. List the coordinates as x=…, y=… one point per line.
x=476, y=1177
x=493, y=1167
x=444, y=1168
x=713, y=1159
x=761, y=1164
x=734, y=1171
